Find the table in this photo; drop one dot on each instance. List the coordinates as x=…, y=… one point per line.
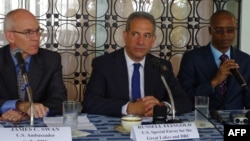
x=106, y=132
x=105, y=129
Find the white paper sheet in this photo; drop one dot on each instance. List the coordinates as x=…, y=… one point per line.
x=83, y=122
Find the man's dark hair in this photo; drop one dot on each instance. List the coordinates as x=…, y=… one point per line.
x=140, y=15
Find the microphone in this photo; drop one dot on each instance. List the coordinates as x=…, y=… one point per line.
x=240, y=79
x=238, y=76
x=22, y=65
x=215, y=115
x=163, y=68
x=18, y=55
x=158, y=64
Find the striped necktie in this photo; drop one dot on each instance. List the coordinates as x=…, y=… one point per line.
x=223, y=85
x=20, y=85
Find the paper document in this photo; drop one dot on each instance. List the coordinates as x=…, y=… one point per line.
x=83, y=122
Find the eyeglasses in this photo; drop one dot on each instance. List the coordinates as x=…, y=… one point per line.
x=221, y=30
x=30, y=33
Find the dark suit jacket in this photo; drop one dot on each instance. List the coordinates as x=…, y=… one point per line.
x=197, y=70
x=45, y=78
x=108, y=88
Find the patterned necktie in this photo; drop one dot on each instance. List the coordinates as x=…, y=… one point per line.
x=223, y=85
x=136, y=92
x=20, y=85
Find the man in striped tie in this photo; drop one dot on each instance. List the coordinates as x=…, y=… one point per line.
x=204, y=73
x=43, y=67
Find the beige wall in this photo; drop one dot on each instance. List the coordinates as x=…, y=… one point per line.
x=245, y=24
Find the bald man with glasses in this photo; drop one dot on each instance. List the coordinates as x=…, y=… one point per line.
x=43, y=67
x=207, y=71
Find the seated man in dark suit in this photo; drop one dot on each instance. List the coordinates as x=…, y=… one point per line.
x=203, y=72
x=43, y=67
x=110, y=90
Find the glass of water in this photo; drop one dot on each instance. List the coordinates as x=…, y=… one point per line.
x=70, y=114
x=201, y=111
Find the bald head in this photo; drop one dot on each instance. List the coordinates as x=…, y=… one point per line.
x=222, y=30
x=220, y=14
x=14, y=17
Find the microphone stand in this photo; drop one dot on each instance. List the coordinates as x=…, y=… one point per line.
x=162, y=68
x=29, y=92
x=171, y=101
x=22, y=66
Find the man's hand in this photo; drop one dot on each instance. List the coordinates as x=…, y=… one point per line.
x=150, y=102
x=40, y=110
x=223, y=72
x=143, y=107
x=136, y=108
x=14, y=116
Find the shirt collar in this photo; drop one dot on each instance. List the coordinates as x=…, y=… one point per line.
x=130, y=62
x=217, y=53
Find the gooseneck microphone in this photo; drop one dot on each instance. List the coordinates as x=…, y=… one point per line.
x=163, y=68
x=22, y=65
x=19, y=58
x=240, y=79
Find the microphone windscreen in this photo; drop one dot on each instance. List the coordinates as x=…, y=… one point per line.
x=18, y=55
x=16, y=51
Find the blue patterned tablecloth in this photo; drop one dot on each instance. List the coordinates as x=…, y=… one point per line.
x=106, y=132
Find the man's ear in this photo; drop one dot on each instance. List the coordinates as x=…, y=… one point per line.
x=9, y=36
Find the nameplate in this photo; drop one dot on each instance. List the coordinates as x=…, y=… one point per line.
x=159, y=132
x=36, y=134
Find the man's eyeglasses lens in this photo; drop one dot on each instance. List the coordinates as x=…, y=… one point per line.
x=228, y=30
x=29, y=33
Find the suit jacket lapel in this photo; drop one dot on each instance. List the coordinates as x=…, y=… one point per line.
x=210, y=58
x=7, y=73
x=149, y=75
x=212, y=67
x=35, y=72
x=121, y=73
x=232, y=83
